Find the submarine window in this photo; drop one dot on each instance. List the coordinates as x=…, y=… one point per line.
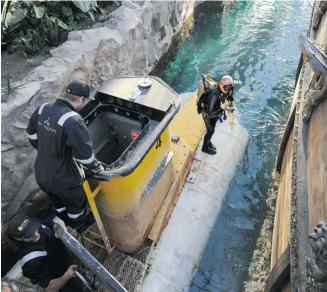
x=112, y=133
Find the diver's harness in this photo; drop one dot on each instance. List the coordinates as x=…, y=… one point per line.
x=205, y=87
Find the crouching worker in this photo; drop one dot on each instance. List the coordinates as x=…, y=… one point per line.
x=214, y=98
x=43, y=257
x=64, y=148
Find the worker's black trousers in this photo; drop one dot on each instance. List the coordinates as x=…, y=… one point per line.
x=210, y=124
x=69, y=203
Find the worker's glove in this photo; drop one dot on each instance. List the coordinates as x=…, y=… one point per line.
x=57, y=220
x=97, y=169
x=102, y=175
x=99, y=173
x=91, y=171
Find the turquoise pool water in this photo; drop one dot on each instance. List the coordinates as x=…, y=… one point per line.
x=257, y=43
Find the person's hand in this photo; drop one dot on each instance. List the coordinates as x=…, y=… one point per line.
x=97, y=169
x=71, y=271
x=57, y=220
x=91, y=171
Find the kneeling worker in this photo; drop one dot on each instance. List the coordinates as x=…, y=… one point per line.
x=213, y=100
x=43, y=257
x=63, y=143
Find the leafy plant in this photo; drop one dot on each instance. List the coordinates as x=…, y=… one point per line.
x=39, y=11
x=29, y=43
x=29, y=26
x=87, y=7
x=53, y=27
x=10, y=88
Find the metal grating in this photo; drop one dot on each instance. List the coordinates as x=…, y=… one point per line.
x=128, y=270
x=24, y=284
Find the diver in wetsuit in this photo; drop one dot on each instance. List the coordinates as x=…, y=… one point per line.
x=212, y=104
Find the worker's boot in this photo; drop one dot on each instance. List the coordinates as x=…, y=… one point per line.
x=62, y=215
x=212, y=146
x=208, y=150
x=85, y=223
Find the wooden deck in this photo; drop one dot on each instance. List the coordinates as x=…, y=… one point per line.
x=282, y=214
x=317, y=166
x=302, y=194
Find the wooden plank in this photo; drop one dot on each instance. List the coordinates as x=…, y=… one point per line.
x=299, y=244
x=180, y=185
x=280, y=274
x=156, y=228
x=289, y=126
x=281, y=232
x=182, y=163
x=184, y=151
x=94, y=243
x=317, y=165
x=285, y=139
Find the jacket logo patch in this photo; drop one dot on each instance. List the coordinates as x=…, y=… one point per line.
x=23, y=225
x=46, y=126
x=47, y=122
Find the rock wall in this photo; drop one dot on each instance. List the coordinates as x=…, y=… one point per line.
x=130, y=42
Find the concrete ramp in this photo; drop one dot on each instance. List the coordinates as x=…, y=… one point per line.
x=184, y=239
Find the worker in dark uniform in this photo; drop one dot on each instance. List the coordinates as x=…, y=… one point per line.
x=64, y=148
x=43, y=257
x=214, y=102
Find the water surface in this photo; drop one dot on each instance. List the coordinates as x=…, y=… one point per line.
x=257, y=43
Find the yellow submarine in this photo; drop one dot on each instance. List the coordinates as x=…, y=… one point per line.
x=146, y=152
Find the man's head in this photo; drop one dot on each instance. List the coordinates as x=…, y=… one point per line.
x=226, y=84
x=24, y=228
x=77, y=92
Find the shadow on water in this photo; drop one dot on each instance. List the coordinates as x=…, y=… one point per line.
x=256, y=42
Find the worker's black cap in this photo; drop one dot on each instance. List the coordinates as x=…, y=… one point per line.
x=78, y=88
x=22, y=226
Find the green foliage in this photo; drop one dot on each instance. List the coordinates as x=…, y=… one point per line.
x=30, y=26
x=86, y=6
x=13, y=18
x=10, y=88
x=39, y=11
x=29, y=43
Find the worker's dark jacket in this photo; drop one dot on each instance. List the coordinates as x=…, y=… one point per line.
x=211, y=101
x=62, y=139
x=43, y=260
x=46, y=259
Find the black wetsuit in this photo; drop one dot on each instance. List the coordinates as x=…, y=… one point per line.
x=211, y=111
